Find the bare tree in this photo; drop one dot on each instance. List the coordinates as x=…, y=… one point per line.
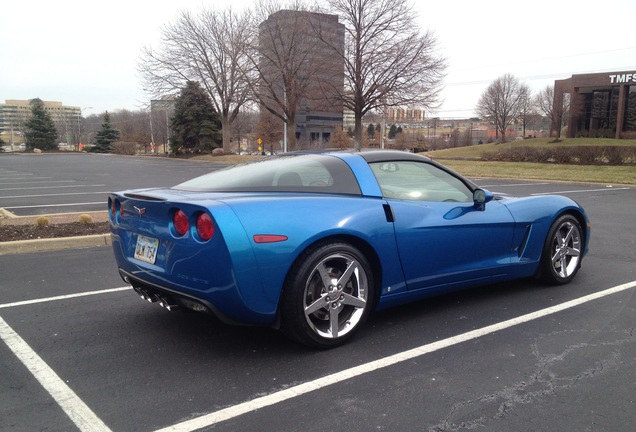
x=388, y=63
x=501, y=103
x=286, y=55
x=526, y=107
x=544, y=101
x=209, y=49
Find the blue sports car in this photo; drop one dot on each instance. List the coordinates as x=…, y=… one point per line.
x=311, y=243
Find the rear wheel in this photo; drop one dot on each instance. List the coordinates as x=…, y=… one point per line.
x=561, y=257
x=327, y=296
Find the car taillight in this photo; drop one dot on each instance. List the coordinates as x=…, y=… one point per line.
x=205, y=226
x=180, y=221
x=116, y=206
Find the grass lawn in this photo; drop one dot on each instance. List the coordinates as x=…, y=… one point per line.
x=466, y=160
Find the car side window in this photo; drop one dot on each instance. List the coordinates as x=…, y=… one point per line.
x=419, y=181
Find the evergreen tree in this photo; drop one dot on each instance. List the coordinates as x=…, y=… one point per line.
x=371, y=131
x=105, y=136
x=40, y=131
x=392, y=131
x=195, y=124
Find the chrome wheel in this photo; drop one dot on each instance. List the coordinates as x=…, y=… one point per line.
x=336, y=295
x=327, y=295
x=562, y=253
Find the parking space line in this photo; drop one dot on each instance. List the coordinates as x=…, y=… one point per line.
x=55, y=194
x=514, y=185
x=103, y=203
x=63, y=297
x=308, y=387
x=54, y=187
x=606, y=189
x=79, y=413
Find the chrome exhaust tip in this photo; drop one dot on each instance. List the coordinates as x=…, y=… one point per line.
x=167, y=303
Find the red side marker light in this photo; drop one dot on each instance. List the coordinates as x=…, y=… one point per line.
x=269, y=238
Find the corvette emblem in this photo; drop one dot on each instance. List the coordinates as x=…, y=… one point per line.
x=140, y=211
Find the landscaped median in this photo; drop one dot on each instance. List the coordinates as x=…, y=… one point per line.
x=48, y=244
x=52, y=232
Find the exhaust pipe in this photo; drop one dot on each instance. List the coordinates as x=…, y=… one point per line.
x=167, y=303
x=164, y=301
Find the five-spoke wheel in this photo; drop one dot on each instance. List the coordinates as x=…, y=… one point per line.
x=327, y=296
x=562, y=251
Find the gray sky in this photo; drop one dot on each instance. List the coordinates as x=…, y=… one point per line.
x=85, y=53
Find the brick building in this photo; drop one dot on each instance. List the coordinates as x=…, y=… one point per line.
x=601, y=104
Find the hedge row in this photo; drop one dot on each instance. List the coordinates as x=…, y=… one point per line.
x=582, y=155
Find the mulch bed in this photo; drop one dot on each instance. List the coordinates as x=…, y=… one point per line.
x=33, y=232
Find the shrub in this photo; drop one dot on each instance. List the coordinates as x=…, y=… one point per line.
x=86, y=219
x=614, y=155
x=124, y=148
x=43, y=221
x=588, y=155
x=562, y=155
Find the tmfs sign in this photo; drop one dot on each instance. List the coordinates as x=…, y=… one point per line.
x=622, y=78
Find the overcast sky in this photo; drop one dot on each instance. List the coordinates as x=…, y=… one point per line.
x=85, y=53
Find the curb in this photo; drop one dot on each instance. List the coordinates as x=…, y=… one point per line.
x=50, y=244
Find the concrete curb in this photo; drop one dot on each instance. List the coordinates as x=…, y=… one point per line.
x=41, y=245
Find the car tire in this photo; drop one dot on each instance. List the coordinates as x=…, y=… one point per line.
x=327, y=296
x=562, y=251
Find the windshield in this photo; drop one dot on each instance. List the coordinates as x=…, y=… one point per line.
x=297, y=173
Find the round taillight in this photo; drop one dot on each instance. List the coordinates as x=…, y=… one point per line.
x=205, y=226
x=180, y=221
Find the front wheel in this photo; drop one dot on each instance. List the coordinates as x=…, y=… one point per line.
x=327, y=296
x=562, y=251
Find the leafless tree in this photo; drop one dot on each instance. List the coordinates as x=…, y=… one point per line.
x=526, y=107
x=501, y=103
x=285, y=55
x=388, y=61
x=544, y=101
x=209, y=48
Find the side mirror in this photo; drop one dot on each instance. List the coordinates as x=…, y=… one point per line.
x=481, y=197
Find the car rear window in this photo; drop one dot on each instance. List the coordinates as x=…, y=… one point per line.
x=294, y=173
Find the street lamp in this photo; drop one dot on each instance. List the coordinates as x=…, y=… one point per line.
x=79, y=125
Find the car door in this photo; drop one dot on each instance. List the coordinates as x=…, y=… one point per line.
x=443, y=238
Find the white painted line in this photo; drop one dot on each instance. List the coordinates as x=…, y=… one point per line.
x=515, y=185
x=56, y=205
x=35, y=182
x=301, y=389
x=79, y=413
x=54, y=187
x=607, y=189
x=62, y=297
x=52, y=195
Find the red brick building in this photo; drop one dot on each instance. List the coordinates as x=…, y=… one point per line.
x=601, y=104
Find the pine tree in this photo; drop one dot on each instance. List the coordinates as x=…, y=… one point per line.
x=105, y=136
x=40, y=131
x=195, y=124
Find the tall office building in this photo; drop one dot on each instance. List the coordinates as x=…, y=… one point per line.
x=304, y=48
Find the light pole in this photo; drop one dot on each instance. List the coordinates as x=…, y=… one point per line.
x=79, y=126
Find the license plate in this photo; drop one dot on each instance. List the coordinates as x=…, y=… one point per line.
x=146, y=249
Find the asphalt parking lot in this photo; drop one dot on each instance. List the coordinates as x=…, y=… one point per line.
x=80, y=351
x=34, y=184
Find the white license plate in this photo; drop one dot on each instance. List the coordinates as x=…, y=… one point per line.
x=146, y=249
